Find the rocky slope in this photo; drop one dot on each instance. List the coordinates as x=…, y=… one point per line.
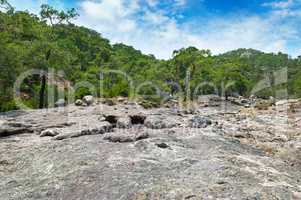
x=126, y=152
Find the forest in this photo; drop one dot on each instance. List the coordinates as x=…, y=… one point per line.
x=50, y=41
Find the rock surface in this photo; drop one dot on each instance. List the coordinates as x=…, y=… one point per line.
x=245, y=153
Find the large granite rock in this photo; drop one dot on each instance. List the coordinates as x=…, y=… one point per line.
x=250, y=154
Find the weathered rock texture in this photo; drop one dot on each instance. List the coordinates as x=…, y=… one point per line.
x=226, y=152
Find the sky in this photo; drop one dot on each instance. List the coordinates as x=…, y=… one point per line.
x=159, y=27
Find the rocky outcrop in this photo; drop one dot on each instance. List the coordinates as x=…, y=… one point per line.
x=127, y=152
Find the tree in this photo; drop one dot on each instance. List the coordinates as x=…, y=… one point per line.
x=55, y=17
x=6, y=5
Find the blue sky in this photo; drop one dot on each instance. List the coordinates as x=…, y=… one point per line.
x=160, y=26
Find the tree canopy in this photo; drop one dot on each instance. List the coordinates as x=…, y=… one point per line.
x=51, y=42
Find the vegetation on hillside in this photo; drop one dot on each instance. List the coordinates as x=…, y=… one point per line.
x=50, y=42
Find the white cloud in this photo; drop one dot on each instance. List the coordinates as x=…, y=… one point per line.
x=154, y=32
x=108, y=15
x=280, y=4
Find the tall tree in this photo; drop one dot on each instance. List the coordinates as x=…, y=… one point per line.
x=55, y=18
x=6, y=5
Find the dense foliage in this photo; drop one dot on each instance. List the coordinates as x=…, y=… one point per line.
x=51, y=42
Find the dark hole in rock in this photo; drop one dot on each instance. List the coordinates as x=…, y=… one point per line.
x=112, y=119
x=137, y=119
x=162, y=145
x=190, y=196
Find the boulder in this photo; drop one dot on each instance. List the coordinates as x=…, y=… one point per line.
x=123, y=137
x=199, y=122
x=60, y=103
x=89, y=100
x=95, y=129
x=79, y=102
x=158, y=122
x=50, y=133
x=124, y=122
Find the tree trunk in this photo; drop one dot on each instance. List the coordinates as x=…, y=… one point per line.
x=42, y=91
x=43, y=83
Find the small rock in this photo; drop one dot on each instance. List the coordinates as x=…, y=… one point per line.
x=79, y=102
x=60, y=103
x=96, y=129
x=126, y=137
x=199, y=122
x=101, y=118
x=50, y=133
x=158, y=122
x=101, y=128
x=124, y=122
x=131, y=103
x=89, y=100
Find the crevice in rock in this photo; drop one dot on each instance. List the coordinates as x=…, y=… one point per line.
x=112, y=119
x=137, y=119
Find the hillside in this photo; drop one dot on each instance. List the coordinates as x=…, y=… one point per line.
x=28, y=42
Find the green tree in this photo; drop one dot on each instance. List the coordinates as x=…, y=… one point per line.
x=55, y=18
